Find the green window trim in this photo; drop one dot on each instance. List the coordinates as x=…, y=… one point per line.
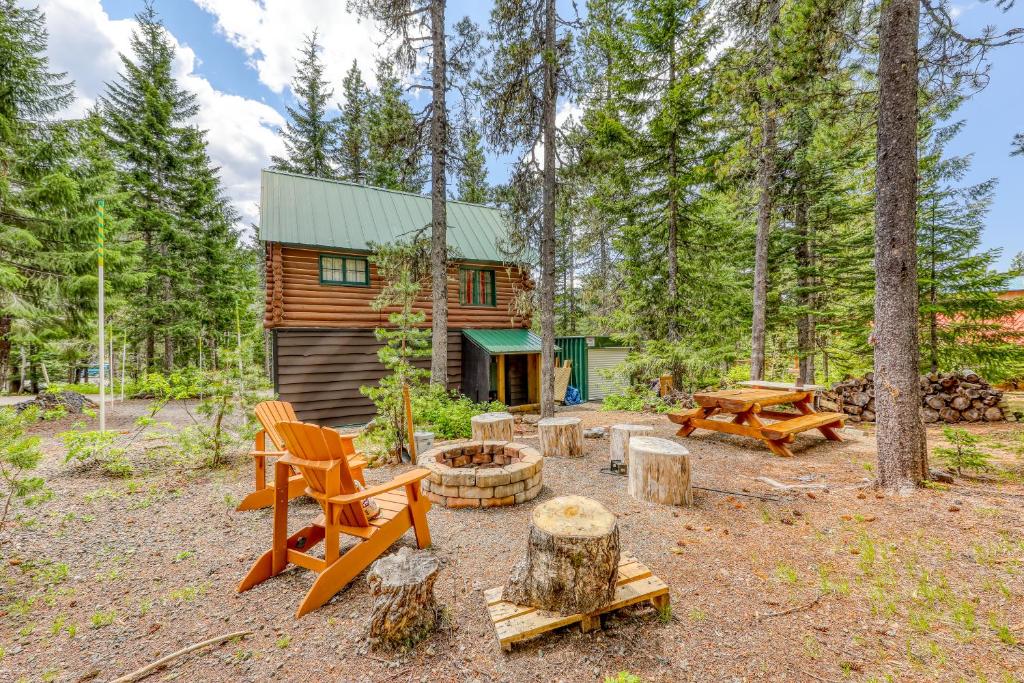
x=337, y=270
x=481, y=299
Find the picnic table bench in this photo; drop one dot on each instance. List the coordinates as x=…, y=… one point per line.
x=751, y=406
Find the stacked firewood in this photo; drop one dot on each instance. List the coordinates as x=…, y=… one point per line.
x=949, y=397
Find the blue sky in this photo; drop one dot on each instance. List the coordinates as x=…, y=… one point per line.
x=237, y=55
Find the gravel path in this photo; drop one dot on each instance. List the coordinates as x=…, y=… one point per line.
x=844, y=585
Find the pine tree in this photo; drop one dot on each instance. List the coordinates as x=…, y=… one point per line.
x=310, y=135
x=665, y=83
x=146, y=115
x=32, y=181
x=419, y=32
x=957, y=281
x=522, y=87
x=395, y=155
x=353, y=125
x=471, y=183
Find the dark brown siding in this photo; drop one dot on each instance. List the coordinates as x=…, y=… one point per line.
x=320, y=372
x=295, y=298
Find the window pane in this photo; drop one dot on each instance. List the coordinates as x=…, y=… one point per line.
x=331, y=267
x=353, y=270
x=488, y=293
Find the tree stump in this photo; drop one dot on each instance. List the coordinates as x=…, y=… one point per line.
x=620, y=439
x=561, y=436
x=659, y=471
x=402, y=587
x=572, y=558
x=492, y=426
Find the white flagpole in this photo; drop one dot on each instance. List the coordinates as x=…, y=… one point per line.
x=102, y=313
x=124, y=358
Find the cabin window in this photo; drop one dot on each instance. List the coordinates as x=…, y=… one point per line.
x=476, y=287
x=344, y=270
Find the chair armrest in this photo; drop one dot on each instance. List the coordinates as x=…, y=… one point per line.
x=323, y=465
x=266, y=454
x=356, y=461
x=410, y=477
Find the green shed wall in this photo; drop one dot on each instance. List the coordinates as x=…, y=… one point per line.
x=575, y=350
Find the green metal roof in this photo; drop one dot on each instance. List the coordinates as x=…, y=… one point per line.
x=307, y=211
x=505, y=341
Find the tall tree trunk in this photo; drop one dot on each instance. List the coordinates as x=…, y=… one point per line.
x=765, y=201
x=673, y=218
x=902, y=447
x=547, y=230
x=21, y=371
x=33, y=368
x=5, y=350
x=805, y=341
x=438, y=198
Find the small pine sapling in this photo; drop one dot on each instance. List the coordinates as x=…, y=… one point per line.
x=403, y=267
x=963, y=453
x=19, y=456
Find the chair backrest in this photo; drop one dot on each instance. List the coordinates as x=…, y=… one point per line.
x=269, y=413
x=323, y=444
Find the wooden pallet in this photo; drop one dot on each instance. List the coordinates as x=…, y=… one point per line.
x=513, y=622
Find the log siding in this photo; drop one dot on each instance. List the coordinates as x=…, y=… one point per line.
x=320, y=371
x=296, y=298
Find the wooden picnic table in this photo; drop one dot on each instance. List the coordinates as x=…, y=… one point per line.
x=751, y=407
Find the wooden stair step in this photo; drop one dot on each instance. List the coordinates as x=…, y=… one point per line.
x=781, y=430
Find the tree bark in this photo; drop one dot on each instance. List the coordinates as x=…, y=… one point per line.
x=659, y=471
x=561, y=436
x=402, y=588
x=492, y=426
x=620, y=436
x=572, y=560
x=805, y=341
x=765, y=183
x=547, y=231
x=438, y=197
x=5, y=351
x=902, y=448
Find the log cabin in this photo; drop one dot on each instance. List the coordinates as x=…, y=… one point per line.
x=320, y=281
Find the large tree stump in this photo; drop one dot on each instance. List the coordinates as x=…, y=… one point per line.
x=561, y=436
x=659, y=471
x=620, y=436
x=402, y=587
x=492, y=426
x=572, y=558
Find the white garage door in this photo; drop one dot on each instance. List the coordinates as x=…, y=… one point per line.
x=604, y=359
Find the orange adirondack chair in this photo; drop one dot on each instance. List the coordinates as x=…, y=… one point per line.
x=269, y=413
x=318, y=454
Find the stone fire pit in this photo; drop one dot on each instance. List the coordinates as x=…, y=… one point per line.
x=482, y=474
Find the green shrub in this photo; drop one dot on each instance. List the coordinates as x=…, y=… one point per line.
x=637, y=399
x=91, y=446
x=964, y=453
x=88, y=389
x=623, y=677
x=19, y=456
x=446, y=413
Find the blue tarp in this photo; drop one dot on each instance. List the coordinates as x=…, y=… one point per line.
x=572, y=396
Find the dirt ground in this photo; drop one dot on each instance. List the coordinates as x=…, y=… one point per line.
x=834, y=583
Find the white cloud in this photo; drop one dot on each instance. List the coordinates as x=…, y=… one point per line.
x=272, y=31
x=242, y=133
x=566, y=114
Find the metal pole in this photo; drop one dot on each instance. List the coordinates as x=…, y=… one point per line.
x=102, y=313
x=124, y=358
